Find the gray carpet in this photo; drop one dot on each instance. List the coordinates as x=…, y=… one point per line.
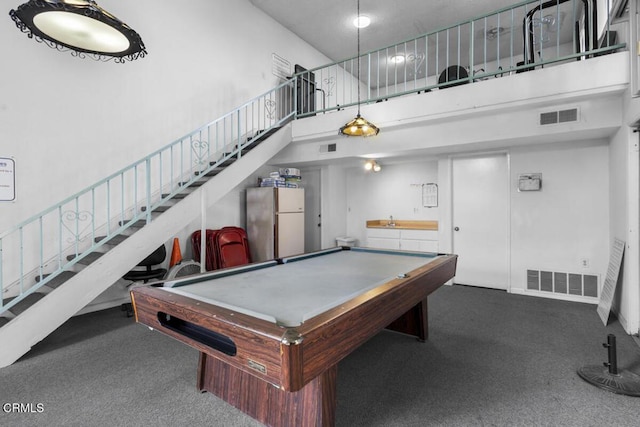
x=493, y=359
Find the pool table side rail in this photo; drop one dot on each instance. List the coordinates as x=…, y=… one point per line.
x=257, y=341
x=325, y=339
x=331, y=336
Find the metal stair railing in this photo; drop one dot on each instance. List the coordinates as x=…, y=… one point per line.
x=528, y=35
x=61, y=236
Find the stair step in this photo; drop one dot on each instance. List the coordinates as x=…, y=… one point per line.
x=58, y=280
x=91, y=257
x=212, y=172
x=114, y=240
x=159, y=209
x=265, y=135
x=27, y=302
x=245, y=150
x=226, y=163
x=195, y=183
x=138, y=224
x=3, y=321
x=178, y=196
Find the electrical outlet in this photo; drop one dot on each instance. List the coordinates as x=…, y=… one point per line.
x=584, y=262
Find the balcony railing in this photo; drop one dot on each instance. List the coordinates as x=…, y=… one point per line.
x=528, y=35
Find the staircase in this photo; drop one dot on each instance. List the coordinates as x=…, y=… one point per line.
x=39, y=313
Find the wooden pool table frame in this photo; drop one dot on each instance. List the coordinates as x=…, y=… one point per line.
x=287, y=376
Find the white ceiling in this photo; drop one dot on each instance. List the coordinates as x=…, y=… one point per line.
x=327, y=24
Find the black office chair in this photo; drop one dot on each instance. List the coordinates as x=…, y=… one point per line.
x=149, y=273
x=451, y=73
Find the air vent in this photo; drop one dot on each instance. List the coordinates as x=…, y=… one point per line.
x=568, y=115
x=556, y=282
x=562, y=116
x=549, y=118
x=328, y=148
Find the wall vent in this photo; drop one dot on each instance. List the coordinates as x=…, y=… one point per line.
x=562, y=116
x=549, y=118
x=328, y=148
x=585, y=285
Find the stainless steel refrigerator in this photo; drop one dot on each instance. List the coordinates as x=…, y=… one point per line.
x=275, y=222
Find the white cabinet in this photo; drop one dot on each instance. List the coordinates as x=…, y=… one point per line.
x=383, y=238
x=419, y=240
x=403, y=239
x=383, y=243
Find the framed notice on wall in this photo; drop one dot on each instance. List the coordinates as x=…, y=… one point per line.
x=7, y=179
x=430, y=195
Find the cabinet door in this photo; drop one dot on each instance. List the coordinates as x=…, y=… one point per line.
x=382, y=243
x=419, y=234
x=419, y=245
x=428, y=246
x=410, y=245
x=385, y=233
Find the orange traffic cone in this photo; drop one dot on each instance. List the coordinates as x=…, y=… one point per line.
x=176, y=255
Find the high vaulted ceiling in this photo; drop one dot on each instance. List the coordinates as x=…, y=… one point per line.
x=327, y=24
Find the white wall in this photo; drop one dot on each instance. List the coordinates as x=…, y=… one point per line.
x=567, y=221
x=620, y=221
x=625, y=212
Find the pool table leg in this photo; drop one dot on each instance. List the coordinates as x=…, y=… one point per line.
x=414, y=322
x=313, y=405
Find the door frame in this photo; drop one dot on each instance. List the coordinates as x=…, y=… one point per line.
x=450, y=207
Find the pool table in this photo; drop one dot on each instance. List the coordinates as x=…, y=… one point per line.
x=271, y=334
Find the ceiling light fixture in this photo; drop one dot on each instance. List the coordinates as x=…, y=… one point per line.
x=397, y=59
x=361, y=21
x=80, y=26
x=494, y=32
x=359, y=126
x=372, y=165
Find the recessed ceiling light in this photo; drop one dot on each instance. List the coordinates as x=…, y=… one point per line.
x=362, y=21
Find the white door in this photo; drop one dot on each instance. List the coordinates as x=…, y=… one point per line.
x=312, y=219
x=480, y=186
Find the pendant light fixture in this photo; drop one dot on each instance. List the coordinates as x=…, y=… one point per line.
x=80, y=26
x=359, y=126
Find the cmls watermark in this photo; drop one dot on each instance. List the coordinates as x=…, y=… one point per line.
x=23, y=408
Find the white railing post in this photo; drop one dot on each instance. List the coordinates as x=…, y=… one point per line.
x=148, y=190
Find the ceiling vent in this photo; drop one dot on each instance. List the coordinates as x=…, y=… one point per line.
x=562, y=116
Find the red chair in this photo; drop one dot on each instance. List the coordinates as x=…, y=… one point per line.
x=232, y=247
